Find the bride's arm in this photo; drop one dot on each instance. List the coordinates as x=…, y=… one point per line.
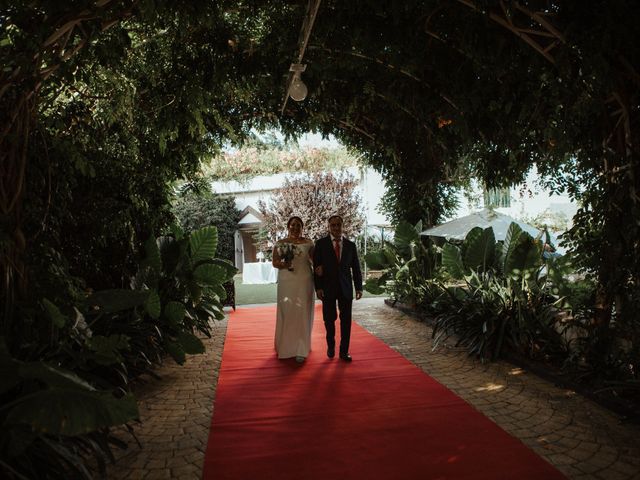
x=275, y=257
x=317, y=270
x=276, y=261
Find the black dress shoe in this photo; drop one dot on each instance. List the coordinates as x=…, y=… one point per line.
x=346, y=357
x=331, y=352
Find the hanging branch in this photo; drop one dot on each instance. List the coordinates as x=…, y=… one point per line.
x=505, y=20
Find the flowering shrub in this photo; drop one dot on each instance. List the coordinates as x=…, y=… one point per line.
x=314, y=198
x=248, y=162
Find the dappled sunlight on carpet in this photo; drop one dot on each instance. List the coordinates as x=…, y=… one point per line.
x=379, y=417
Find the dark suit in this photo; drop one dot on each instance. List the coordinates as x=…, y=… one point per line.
x=337, y=282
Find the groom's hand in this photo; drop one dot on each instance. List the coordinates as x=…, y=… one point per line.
x=320, y=294
x=358, y=295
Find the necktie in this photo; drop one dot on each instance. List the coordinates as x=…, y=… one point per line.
x=336, y=248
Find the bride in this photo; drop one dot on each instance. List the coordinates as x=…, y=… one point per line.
x=292, y=256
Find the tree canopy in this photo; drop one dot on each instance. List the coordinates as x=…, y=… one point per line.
x=314, y=197
x=104, y=104
x=431, y=92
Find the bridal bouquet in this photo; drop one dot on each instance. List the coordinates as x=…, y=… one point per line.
x=287, y=251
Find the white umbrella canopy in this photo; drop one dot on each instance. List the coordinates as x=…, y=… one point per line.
x=458, y=228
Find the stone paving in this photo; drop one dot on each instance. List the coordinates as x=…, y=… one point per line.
x=582, y=439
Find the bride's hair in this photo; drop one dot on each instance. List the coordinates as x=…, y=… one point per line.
x=294, y=218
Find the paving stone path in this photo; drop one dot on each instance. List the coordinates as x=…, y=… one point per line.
x=582, y=439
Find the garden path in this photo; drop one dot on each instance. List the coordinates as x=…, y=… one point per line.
x=579, y=437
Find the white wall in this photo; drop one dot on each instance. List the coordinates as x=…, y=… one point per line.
x=371, y=190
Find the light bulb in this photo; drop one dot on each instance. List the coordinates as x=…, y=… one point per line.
x=298, y=90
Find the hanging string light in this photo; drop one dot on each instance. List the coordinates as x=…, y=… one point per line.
x=296, y=88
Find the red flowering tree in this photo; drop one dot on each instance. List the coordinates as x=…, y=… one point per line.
x=313, y=197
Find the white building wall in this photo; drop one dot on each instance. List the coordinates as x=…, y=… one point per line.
x=370, y=188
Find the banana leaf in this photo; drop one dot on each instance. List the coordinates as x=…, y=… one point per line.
x=203, y=244
x=208, y=274
x=71, y=411
x=153, y=305
x=452, y=261
x=480, y=249
x=174, y=312
x=117, y=300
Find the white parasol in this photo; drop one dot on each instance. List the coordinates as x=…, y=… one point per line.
x=458, y=228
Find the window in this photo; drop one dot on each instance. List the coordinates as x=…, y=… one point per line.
x=497, y=197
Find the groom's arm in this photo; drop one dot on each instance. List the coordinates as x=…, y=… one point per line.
x=357, y=273
x=317, y=262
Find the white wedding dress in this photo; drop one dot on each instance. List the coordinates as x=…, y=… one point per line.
x=296, y=298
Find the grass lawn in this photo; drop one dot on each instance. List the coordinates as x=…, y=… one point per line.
x=262, y=293
x=254, y=293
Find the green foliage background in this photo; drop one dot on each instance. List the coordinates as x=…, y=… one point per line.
x=194, y=211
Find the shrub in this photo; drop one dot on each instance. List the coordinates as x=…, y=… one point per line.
x=194, y=211
x=406, y=263
x=65, y=381
x=506, y=297
x=314, y=198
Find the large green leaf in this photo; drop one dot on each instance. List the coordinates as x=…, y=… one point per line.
x=524, y=254
x=171, y=251
x=208, y=274
x=220, y=291
x=190, y=343
x=472, y=236
x=452, y=260
x=390, y=257
x=226, y=265
x=174, y=312
x=176, y=351
x=56, y=316
x=498, y=260
x=405, y=236
x=376, y=260
x=116, y=300
x=203, y=244
x=534, y=257
x=480, y=250
x=152, y=254
x=217, y=312
x=153, y=305
x=51, y=376
x=510, y=243
x=65, y=411
x=195, y=292
x=107, y=349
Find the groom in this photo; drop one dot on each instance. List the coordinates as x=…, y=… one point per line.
x=337, y=270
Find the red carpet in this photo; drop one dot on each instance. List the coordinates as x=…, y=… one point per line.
x=379, y=417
